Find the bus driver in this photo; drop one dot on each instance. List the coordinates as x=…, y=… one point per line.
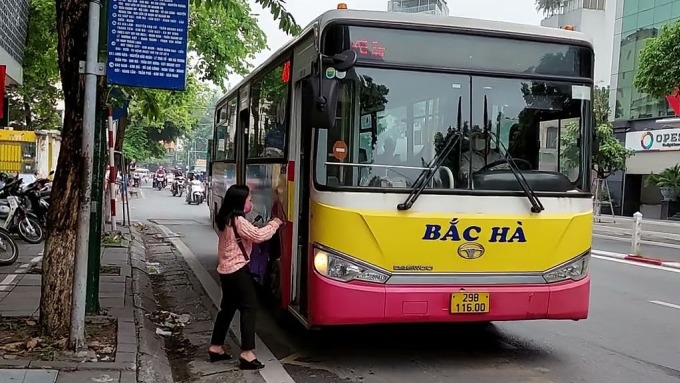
x=480, y=154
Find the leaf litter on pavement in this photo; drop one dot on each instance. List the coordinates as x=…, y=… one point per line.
x=21, y=339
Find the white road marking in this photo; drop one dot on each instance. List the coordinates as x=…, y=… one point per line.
x=6, y=283
x=273, y=372
x=633, y=263
x=25, y=265
x=8, y=279
x=662, y=303
x=36, y=259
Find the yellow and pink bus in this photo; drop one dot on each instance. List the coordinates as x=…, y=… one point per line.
x=430, y=169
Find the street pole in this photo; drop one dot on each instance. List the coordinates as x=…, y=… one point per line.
x=112, y=170
x=77, y=336
x=94, y=260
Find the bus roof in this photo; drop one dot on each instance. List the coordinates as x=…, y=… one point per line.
x=410, y=19
x=396, y=18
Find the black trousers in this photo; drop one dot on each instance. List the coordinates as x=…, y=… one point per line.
x=238, y=293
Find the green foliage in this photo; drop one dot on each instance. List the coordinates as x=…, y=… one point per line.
x=601, y=105
x=159, y=115
x=669, y=177
x=659, y=68
x=33, y=104
x=139, y=147
x=276, y=7
x=549, y=7
x=223, y=36
x=224, y=40
x=610, y=158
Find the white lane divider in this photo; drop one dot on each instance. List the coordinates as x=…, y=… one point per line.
x=662, y=303
x=6, y=283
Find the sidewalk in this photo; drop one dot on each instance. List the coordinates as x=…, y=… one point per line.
x=652, y=230
x=112, y=335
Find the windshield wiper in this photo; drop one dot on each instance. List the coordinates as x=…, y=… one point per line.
x=428, y=174
x=536, y=205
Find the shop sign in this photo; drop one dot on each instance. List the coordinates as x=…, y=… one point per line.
x=653, y=140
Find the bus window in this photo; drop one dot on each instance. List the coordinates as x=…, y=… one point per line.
x=269, y=118
x=537, y=122
x=390, y=120
x=225, y=134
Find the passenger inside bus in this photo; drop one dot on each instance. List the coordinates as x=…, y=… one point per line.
x=389, y=155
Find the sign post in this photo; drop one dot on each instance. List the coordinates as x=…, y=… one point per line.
x=147, y=42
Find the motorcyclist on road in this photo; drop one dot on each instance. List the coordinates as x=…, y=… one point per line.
x=177, y=172
x=160, y=172
x=190, y=177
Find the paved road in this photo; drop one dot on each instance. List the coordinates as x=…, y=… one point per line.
x=627, y=338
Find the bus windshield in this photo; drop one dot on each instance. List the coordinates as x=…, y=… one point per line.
x=392, y=122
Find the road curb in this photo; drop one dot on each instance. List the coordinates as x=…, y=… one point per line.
x=274, y=372
x=637, y=258
x=152, y=362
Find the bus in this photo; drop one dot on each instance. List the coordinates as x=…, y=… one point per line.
x=428, y=169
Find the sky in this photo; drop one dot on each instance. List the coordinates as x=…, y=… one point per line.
x=304, y=11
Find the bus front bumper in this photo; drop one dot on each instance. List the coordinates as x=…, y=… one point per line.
x=337, y=303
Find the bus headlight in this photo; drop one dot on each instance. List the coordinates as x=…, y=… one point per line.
x=340, y=268
x=576, y=269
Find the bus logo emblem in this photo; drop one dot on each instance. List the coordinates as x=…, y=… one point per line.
x=470, y=250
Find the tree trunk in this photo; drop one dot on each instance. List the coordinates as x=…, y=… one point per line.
x=60, y=248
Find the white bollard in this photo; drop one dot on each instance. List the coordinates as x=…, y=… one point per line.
x=637, y=233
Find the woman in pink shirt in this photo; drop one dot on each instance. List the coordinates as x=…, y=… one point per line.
x=235, y=244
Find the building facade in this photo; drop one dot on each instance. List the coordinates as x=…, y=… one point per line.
x=596, y=19
x=13, y=28
x=648, y=126
x=432, y=7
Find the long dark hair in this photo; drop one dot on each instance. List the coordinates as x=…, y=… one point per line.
x=232, y=205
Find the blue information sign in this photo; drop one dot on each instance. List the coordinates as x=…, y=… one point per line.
x=147, y=43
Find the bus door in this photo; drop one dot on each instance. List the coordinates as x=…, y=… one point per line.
x=242, y=149
x=301, y=137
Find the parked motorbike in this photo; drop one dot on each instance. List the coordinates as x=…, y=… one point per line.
x=36, y=198
x=9, y=251
x=177, y=187
x=15, y=218
x=196, y=192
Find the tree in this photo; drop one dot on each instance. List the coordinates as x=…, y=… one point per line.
x=33, y=104
x=659, y=68
x=223, y=38
x=611, y=156
x=60, y=248
x=601, y=105
x=549, y=7
x=158, y=115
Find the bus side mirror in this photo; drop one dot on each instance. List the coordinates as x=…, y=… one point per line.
x=320, y=93
x=344, y=61
x=321, y=102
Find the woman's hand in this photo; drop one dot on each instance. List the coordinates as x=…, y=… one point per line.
x=277, y=221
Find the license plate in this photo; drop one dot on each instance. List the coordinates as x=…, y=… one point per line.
x=469, y=303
